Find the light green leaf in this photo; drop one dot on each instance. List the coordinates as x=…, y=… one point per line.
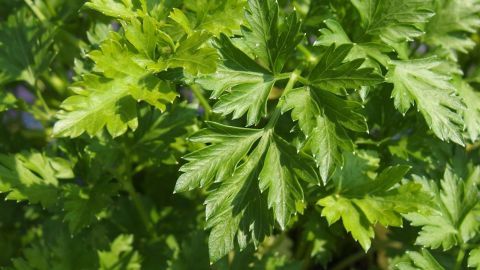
x=471, y=115
x=194, y=56
x=123, y=9
x=121, y=255
x=32, y=177
x=422, y=82
x=451, y=220
x=109, y=100
x=453, y=21
x=217, y=16
x=7, y=101
x=474, y=258
x=420, y=261
x=361, y=201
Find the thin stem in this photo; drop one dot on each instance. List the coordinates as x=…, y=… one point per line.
x=278, y=109
x=35, y=10
x=41, y=99
x=459, y=260
x=202, y=100
x=128, y=186
x=349, y=260
x=308, y=55
x=142, y=212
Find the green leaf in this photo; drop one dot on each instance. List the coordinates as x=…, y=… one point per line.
x=421, y=260
x=145, y=36
x=109, y=100
x=123, y=9
x=422, y=82
x=121, y=255
x=25, y=48
x=280, y=175
x=471, y=115
x=451, y=221
x=323, y=118
x=270, y=44
x=217, y=161
x=82, y=205
x=362, y=201
x=474, y=258
x=31, y=176
x=254, y=170
x=240, y=83
x=7, y=101
x=394, y=21
x=333, y=74
x=194, y=56
x=219, y=16
x=452, y=23
x=373, y=52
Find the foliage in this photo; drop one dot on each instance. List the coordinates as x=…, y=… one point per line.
x=239, y=134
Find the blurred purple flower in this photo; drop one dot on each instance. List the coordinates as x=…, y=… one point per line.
x=30, y=122
x=23, y=93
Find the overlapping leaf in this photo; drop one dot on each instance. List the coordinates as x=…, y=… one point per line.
x=420, y=260
x=324, y=117
x=25, y=48
x=394, y=21
x=471, y=115
x=361, y=201
x=334, y=74
x=32, y=177
x=424, y=83
x=452, y=23
x=452, y=219
x=121, y=255
x=217, y=17
x=241, y=84
x=253, y=170
x=109, y=100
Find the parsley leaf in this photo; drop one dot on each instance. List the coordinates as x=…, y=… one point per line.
x=421, y=81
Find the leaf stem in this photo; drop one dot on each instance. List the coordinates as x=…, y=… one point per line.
x=41, y=99
x=142, y=212
x=202, y=100
x=349, y=260
x=460, y=257
x=311, y=58
x=293, y=78
x=128, y=186
x=35, y=10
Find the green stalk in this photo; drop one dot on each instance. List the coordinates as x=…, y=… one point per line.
x=293, y=78
x=41, y=99
x=142, y=212
x=202, y=100
x=460, y=257
x=128, y=186
x=35, y=10
x=349, y=260
x=311, y=58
